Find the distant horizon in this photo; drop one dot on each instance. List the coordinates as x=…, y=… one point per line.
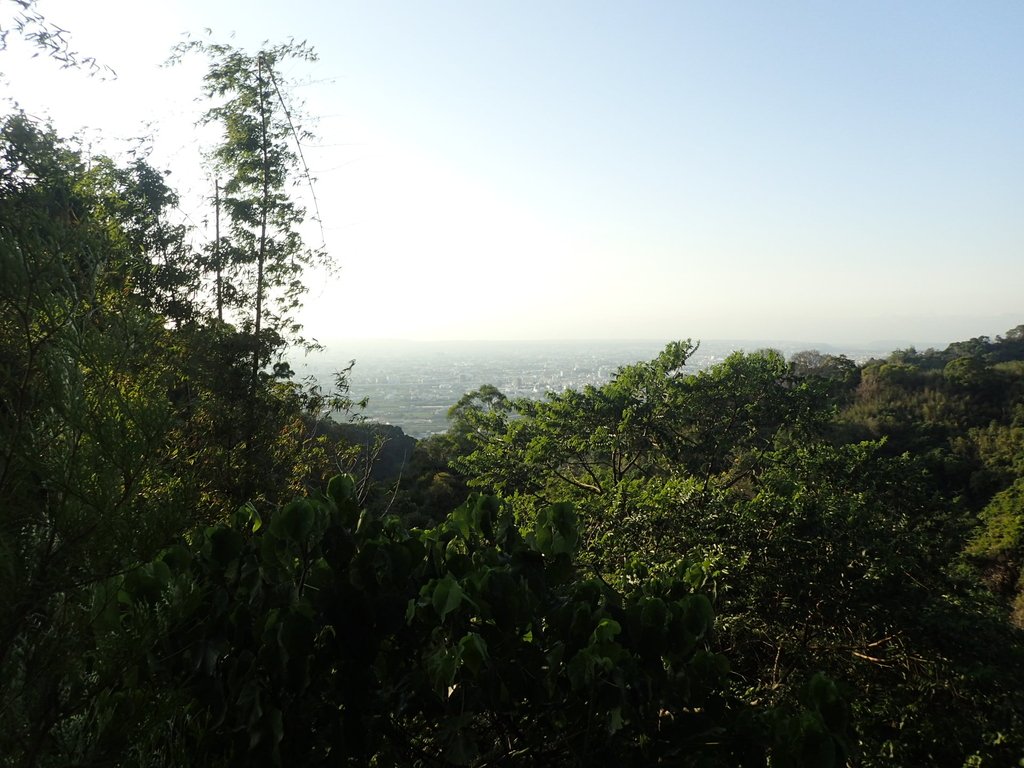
x=878, y=344
x=895, y=332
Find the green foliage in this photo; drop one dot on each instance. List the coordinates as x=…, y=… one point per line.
x=652, y=432
x=88, y=484
x=132, y=202
x=337, y=634
x=1003, y=534
x=120, y=429
x=260, y=262
x=822, y=552
x=998, y=547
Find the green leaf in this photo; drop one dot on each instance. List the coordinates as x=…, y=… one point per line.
x=606, y=631
x=615, y=720
x=653, y=613
x=447, y=596
x=474, y=651
x=341, y=488
x=248, y=514
x=700, y=616
x=177, y=558
x=257, y=521
x=294, y=522
x=161, y=573
x=556, y=532
x=442, y=665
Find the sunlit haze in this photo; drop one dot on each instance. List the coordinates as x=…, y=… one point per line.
x=844, y=173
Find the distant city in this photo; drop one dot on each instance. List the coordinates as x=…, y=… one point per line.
x=413, y=384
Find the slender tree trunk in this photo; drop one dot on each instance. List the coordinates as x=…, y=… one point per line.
x=264, y=204
x=216, y=248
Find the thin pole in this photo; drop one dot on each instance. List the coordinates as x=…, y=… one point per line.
x=216, y=247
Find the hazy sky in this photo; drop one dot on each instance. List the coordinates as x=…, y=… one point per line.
x=841, y=172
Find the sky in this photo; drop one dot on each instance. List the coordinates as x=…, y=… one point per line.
x=822, y=172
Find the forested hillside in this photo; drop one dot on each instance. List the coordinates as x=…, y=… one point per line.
x=788, y=562
x=861, y=521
